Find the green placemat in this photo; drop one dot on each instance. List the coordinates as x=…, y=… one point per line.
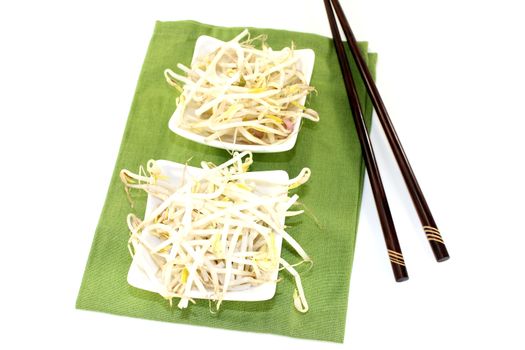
x=333, y=194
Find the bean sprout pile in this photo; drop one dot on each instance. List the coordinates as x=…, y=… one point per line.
x=242, y=95
x=215, y=232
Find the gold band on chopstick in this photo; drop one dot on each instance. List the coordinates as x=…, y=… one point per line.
x=433, y=234
x=396, y=258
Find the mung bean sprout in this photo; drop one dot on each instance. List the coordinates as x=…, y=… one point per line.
x=215, y=232
x=242, y=95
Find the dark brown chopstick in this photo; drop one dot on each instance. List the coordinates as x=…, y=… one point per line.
x=425, y=216
x=389, y=232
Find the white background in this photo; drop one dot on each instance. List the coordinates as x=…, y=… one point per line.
x=451, y=73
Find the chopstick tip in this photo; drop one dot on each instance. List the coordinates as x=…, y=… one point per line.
x=443, y=258
x=402, y=279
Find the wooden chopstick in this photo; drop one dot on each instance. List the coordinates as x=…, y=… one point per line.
x=425, y=216
x=387, y=224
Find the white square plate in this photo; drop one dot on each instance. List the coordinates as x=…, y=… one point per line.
x=147, y=278
x=205, y=45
